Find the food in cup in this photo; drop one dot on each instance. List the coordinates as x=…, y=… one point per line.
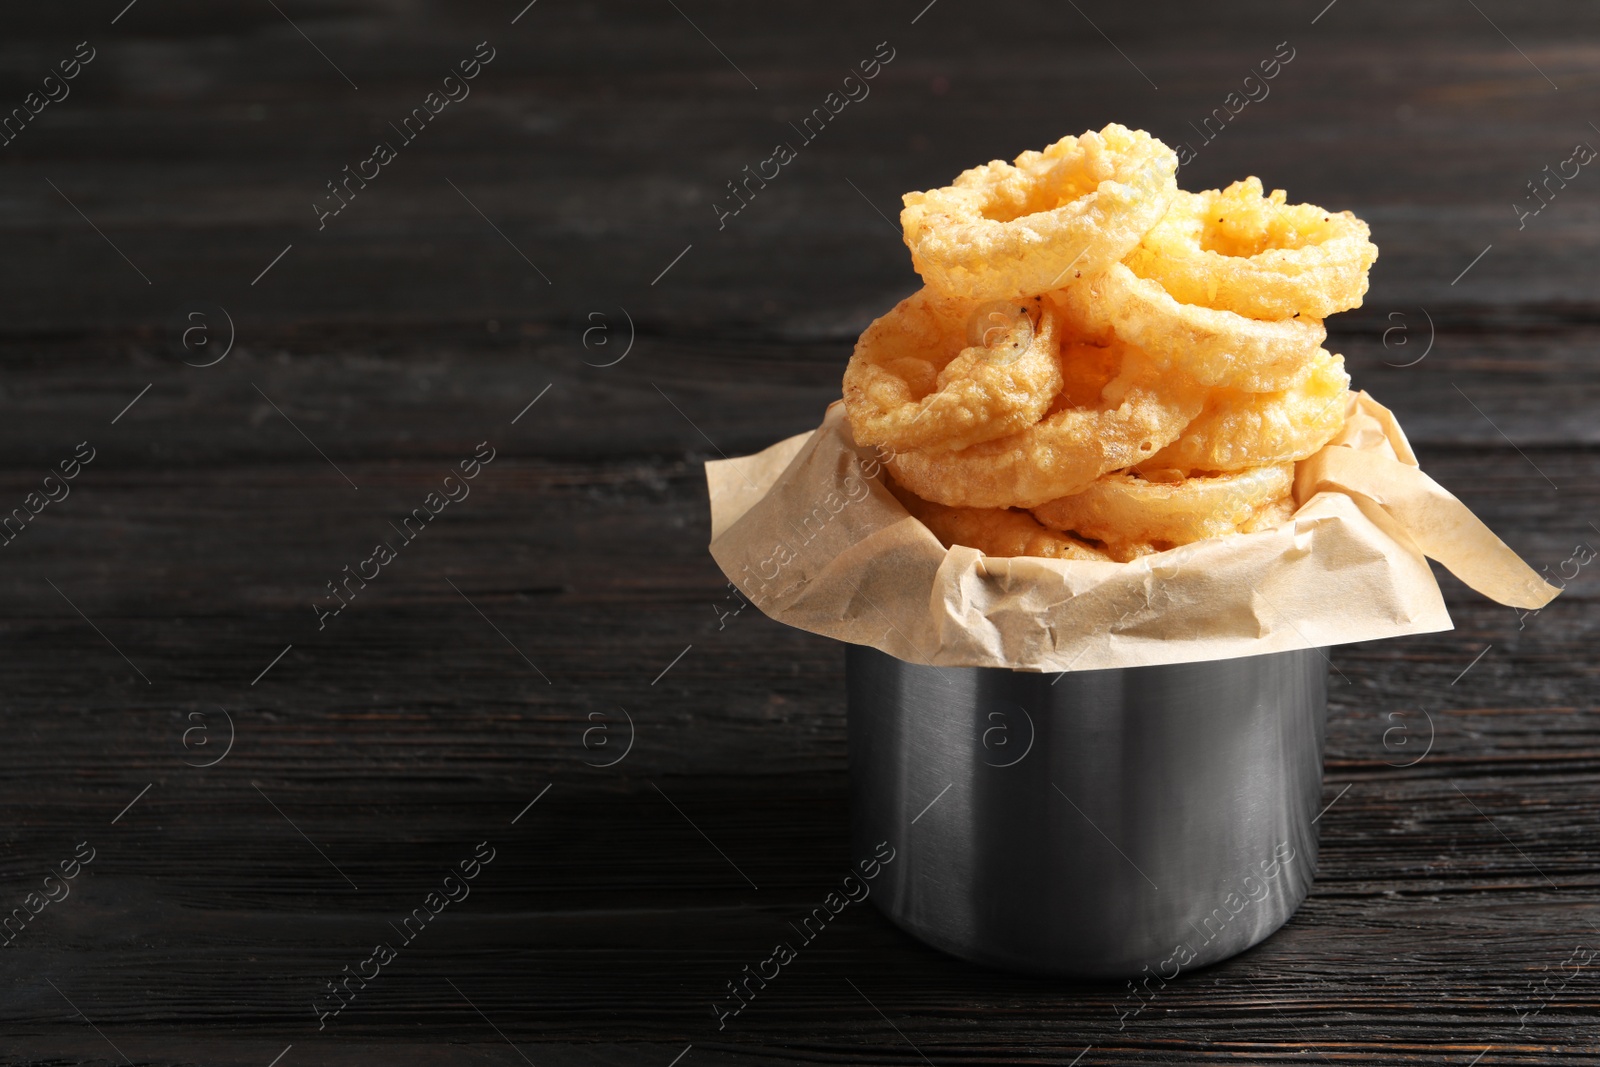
x=1147, y=365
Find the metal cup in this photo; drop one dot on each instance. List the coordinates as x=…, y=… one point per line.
x=1093, y=823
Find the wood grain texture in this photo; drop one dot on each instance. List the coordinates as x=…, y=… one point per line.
x=574, y=581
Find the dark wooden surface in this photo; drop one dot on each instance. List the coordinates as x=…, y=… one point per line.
x=409, y=330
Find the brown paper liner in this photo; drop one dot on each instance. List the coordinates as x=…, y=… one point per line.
x=808, y=533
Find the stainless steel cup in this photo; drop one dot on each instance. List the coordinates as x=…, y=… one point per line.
x=1112, y=823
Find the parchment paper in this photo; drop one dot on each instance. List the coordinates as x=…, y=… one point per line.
x=809, y=534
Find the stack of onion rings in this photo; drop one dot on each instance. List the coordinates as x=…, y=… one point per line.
x=1152, y=376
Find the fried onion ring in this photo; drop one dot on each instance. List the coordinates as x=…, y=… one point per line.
x=1238, y=250
x=915, y=382
x=1238, y=430
x=1269, y=516
x=1130, y=515
x=993, y=531
x=1005, y=230
x=1217, y=348
x=1139, y=413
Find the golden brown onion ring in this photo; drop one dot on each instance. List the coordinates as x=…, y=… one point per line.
x=993, y=531
x=1125, y=512
x=1140, y=412
x=914, y=381
x=1238, y=429
x=1217, y=348
x=1005, y=230
x=1237, y=250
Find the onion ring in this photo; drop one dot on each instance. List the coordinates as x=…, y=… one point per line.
x=911, y=383
x=1238, y=250
x=1269, y=516
x=993, y=531
x=1238, y=430
x=1129, y=514
x=1218, y=348
x=1005, y=230
x=1140, y=412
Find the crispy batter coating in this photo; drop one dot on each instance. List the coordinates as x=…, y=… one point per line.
x=1004, y=230
x=1238, y=430
x=1238, y=250
x=916, y=381
x=1137, y=415
x=993, y=531
x=1213, y=347
x=1131, y=516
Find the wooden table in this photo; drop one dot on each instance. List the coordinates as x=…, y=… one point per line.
x=166, y=207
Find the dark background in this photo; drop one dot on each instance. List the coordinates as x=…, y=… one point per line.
x=426, y=717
